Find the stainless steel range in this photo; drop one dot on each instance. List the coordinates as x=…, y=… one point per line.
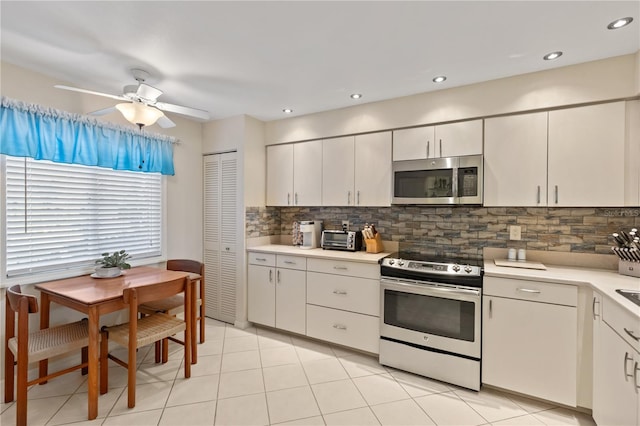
x=430, y=319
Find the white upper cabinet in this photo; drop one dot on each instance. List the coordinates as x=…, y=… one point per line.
x=446, y=140
x=587, y=156
x=357, y=170
x=294, y=174
x=515, y=160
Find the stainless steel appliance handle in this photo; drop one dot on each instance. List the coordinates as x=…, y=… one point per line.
x=528, y=290
x=538, y=198
x=490, y=308
x=624, y=365
x=633, y=336
x=261, y=259
x=340, y=292
x=296, y=199
x=432, y=287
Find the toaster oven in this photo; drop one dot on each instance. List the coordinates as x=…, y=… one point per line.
x=341, y=240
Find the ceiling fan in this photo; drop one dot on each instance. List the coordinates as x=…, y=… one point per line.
x=142, y=107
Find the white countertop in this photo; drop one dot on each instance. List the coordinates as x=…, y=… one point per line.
x=603, y=281
x=352, y=256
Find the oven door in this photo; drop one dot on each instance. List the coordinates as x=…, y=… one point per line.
x=442, y=317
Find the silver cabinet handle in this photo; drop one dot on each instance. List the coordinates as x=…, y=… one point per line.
x=490, y=308
x=270, y=275
x=556, y=194
x=339, y=292
x=358, y=197
x=278, y=276
x=538, y=198
x=339, y=327
x=289, y=262
x=635, y=376
x=441, y=148
x=528, y=290
x=427, y=149
x=261, y=259
x=342, y=268
x=348, y=198
x=633, y=336
x=296, y=199
x=288, y=198
x=593, y=308
x=626, y=358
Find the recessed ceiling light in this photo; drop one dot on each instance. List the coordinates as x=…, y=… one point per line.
x=287, y=110
x=439, y=79
x=619, y=23
x=356, y=96
x=551, y=56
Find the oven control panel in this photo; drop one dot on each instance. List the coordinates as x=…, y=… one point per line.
x=432, y=267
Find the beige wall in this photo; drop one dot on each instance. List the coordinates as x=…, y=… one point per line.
x=611, y=78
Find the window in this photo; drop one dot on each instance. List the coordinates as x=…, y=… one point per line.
x=63, y=216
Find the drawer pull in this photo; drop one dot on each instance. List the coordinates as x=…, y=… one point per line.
x=633, y=336
x=261, y=259
x=341, y=268
x=635, y=376
x=289, y=262
x=339, y=292
x=528, y=290
x=339, y=327
x=626, y=358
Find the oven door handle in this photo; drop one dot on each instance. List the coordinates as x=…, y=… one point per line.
x=432, y=288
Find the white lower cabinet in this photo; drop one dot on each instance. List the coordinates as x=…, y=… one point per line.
x=529, y=341
x=344, y=328
x=616, y=362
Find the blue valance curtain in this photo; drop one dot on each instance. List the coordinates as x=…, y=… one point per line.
x=29, y=130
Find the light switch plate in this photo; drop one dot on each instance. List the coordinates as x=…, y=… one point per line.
x=515, y=232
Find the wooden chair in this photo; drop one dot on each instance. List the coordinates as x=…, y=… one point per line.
x=173, y=305
x=146, y=330
x=36, y=346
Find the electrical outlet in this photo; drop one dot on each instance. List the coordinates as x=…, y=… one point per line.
x=515, y=232
x=345, y=225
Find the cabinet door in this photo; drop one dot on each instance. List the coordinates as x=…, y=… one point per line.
x=307, y=173
x=530, y=348
x=515, y=160
x=280, y=175
x=338, y=171
x=291, y=299
x=456, y=139
x=615, y=399
x=261, y=295
x=373, y=169
x=587, y=156
x=413, y=144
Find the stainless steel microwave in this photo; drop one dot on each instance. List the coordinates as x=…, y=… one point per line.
x=451, y=180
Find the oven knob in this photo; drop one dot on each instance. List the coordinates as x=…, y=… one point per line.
x=456, y=268
x=391, y=261
x=400, y=262
x=467, y=269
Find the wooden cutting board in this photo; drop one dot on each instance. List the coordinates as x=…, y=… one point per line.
x=519, y=264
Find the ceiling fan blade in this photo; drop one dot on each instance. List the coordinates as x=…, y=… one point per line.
x=165, y=122
x=90, y=92
x=104, y=111
x=148, y=92
x=192, y=112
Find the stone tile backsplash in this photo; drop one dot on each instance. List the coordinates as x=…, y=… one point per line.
x=462, y=231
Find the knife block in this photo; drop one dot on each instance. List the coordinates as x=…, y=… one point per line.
x=374, y=245
x=625, y=267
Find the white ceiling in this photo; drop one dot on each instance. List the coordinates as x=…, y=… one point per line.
x=256, y=58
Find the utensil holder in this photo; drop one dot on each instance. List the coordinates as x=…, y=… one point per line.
x=374, y=245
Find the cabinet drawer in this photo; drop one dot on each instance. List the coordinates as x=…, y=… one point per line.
x=345, y=328
x=536, y=291
x=291, y=262
x=265, y=259
x=343, y=267
x=622, y=321
x=361, y=295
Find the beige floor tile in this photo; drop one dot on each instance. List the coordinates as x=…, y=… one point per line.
x=66, y=384
x=240, y=383
x=149, y=396
x=238, y=361
x=491, y=405
x=448, y=409
x=213, y=332
x=359, y=416
x=240, y=344
x=247, y=410
x=406, y=412
x=200, y=414
x=324, y=370
x=309, y=350
x=149, y=373
x=291, y=404
x=145, y=418
x=337, y=396
x=39, y=411
x=528, y=420
x=563, y=416
x=416, y=385
x=280, y=355
x=380, y=388
x=284, y=377
x=75, y=408
x=361, y=365
x=233, y=332
x=267, y=342
x=193, y=389
x=210, y=347
x=309, y=421
x=206, y=366
x=528, y=404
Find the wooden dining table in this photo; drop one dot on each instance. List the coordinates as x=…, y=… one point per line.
x=96, y=297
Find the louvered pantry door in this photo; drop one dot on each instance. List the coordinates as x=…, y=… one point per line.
x=220, y=236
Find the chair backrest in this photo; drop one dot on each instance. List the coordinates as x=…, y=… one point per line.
x=15, y=296
x=148, y=293
x=186, y=265
x=23, y=304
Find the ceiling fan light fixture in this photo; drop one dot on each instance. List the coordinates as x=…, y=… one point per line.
x=139, y=113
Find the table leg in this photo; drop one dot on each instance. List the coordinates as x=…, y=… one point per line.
x=92, y=381
x=45, y=305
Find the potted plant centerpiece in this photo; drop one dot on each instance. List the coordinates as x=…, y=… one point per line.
x=112, y=264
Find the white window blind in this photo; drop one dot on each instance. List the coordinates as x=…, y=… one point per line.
x=62, y=216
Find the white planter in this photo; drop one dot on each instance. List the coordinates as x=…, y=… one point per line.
x=107, y=272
